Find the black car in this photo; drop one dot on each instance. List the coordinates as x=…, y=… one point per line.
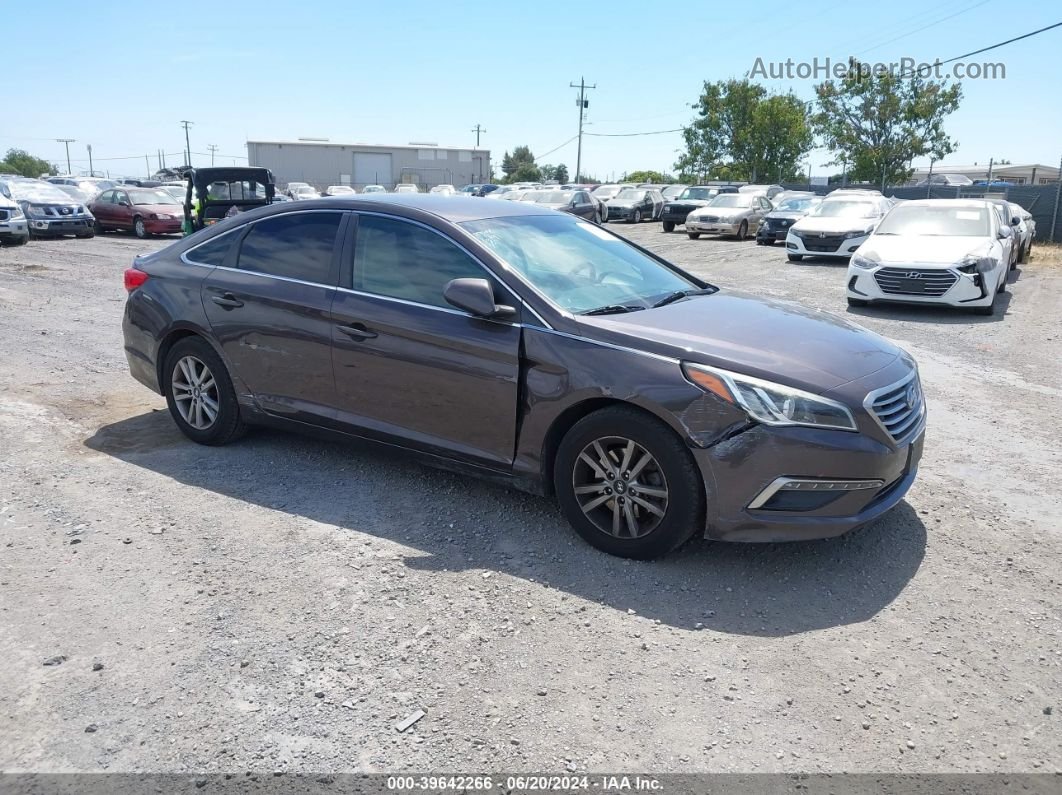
x=634, y=205
x=675, y=211
x=775, y=225
x=533, y=348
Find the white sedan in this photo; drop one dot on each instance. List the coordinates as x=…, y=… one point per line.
x=953, y=252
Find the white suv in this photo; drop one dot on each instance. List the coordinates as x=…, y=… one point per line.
x=837, y=226
x=934, y=251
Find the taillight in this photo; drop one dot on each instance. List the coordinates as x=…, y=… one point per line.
x=134, y=278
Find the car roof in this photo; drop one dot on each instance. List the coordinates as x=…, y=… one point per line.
x=947, y=202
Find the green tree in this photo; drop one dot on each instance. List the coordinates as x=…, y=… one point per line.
x=759, y=135
x=878, y=121
x=548, y=172
x=521, y=156
x=647, y=176
x=526, y=172
x=561, y=174
x=19, y=161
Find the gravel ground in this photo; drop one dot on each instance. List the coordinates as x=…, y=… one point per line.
x=280, y=604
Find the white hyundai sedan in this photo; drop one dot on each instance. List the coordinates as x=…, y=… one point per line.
x=952, y=252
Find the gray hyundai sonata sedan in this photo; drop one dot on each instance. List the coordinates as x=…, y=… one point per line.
x=530, y=346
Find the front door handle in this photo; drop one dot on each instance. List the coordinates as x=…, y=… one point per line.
x=357, y=331
x=228, y=300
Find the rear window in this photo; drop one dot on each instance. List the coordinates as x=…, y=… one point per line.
x=293, y=245
x=213, y=252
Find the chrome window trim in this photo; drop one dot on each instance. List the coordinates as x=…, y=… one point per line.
x=468, y=253
x=916, y=428
x=418, y=305
x=778, y=484
x=184, y=254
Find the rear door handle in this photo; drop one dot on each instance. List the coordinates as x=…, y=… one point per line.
x=228, y=300
x=357, y=331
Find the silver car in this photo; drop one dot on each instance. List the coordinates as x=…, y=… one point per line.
x=737, y=214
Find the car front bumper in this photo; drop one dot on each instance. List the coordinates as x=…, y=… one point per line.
x=712, y=227
x=773, y=235
x=824, y=246
x=893, y=283
x=12, y=228
x=162, y=226
x=60, y=226
x=795, y=483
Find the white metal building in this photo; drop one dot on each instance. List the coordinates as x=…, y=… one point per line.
x=1016, y=174
x=322, y=163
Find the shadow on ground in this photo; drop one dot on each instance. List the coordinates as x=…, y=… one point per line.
x=462, y=523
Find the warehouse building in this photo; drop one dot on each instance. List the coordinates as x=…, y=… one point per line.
x=322, y=163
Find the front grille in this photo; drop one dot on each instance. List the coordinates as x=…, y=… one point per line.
x=817, y=243
x=709, y=219
x=898, y=408
x=914, y=281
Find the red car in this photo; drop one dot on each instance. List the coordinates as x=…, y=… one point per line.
x=144, y=211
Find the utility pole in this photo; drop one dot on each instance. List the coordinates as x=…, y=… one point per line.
x=991, y=162
x=213, y=148
x=187, y=145
x=477, y=130
x=147, y=163
x=583, y=104
x=67, y=142
x=1058, y=193
x=91, y=172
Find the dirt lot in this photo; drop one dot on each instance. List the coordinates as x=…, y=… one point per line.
x=280, y=603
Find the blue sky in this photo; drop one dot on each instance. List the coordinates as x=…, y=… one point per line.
x=122, y=77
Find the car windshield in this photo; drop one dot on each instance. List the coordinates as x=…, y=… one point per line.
x=606, y=191
x=577, y=265
x=731, y=200
x=35, y=191
x=305, y=189
x=151, y=197
x=699, y=194
x=176, y=191
x=630, y=194
x=843, y=209
x=797, y=204
x=554, y=197
x=950, y=221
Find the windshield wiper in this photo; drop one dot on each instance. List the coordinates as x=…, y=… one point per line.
x=678, y=295
x=611, y=309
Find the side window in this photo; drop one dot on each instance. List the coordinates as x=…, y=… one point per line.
x=214, y=251
x=293, y=245
x=105, y=197
x=401, y=260
x=119, y=197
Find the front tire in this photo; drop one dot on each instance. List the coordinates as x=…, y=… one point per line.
x=669, y=226
x=637, y=217
x=199, y=393
x=139, y=229
x=628, y=485
x=743, y=230
x=694, y=235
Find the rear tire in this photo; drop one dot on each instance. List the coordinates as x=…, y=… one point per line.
x=694, y=235
x=794, y=257
x=669, y=226
x=670, y=471
x=215, y=389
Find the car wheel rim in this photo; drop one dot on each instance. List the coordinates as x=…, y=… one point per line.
x=140, y=228
x=195, y=393
x=620, y=487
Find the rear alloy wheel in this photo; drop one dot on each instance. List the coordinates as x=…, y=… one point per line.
x=694, y=235
x=743, y=230
x=628, y=485
x=199, y=393
x=637, y=217
x=669, y=226
x=138, y=228
x=794, y=257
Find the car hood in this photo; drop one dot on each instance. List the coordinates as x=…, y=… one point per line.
x=833, y=225
x=776, y=340
x=923, y=248
x=624, y=202
x=688, y=202
x=784, y=215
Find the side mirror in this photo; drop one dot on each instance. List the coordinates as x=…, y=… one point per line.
x=124, y=203
x=476, y=297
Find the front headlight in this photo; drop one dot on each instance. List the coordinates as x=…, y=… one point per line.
x=857, y=233
x=862, y=262
x=164, y=217
x=770, y=403
x=36, y=212
x=17, y=214
x=971, y=264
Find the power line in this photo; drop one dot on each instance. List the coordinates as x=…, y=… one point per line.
x=995, y=46
x=923, y=20
x=554, y=149
x=631, y=135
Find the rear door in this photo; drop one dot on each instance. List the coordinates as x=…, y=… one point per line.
x=269, y=307
x=409, y=367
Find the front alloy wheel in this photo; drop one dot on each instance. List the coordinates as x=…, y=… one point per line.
x=139, y=229
x=620, y=487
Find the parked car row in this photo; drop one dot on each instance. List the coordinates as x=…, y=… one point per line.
x=41, y=209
